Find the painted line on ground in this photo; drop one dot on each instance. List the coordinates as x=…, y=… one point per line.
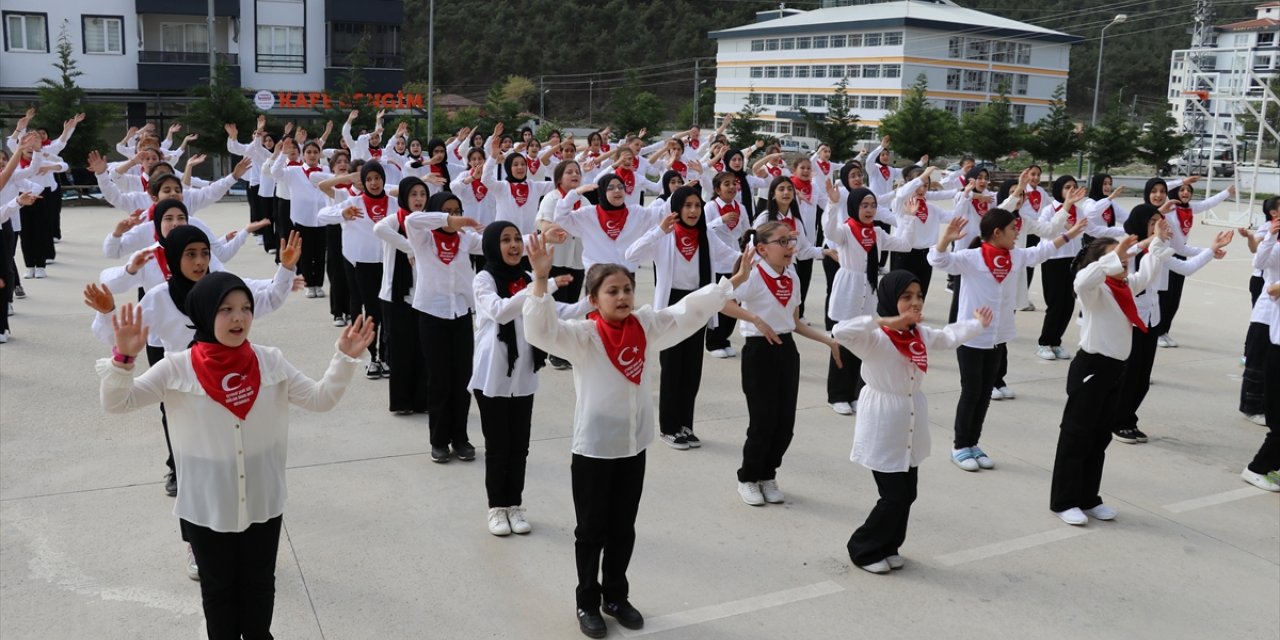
x=736, y=607
x=1209, y=501
x=1009, y=546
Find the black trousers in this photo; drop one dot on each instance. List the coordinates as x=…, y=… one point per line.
x=365, y=279
x=573, y=291
x=266, y=210
x=8, y=271
x=844, y=384
x=237, y=578
x=1093, y=394
x=718, y=336
x=1268, y=457
x=36, y=238
x=342, y=295
x=804, y=271
x=917, y=262
x=251, y=196
x=771, y=382
x=1170, y=300
x=606, y=499
x=1032, y=240
x=505, y=423
x=447, y=346
x=680, y=378
x=154, y=355
x=978, y=371
x=1135, y=382
x=408, y=383
x=1253, y=386
x=284, y=224
x=1059, y=300
x=55, y=216
x=886, y=528
x=1255, y=289
x=311, y=265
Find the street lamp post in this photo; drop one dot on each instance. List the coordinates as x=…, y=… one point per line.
x=1097, y=80
x=431, y=62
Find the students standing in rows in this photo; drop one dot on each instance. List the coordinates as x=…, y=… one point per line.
x=516, y=197
x=613, y=417
x=732, y=204
x=341, y=184
x=408, y=388
x=567, y=176
x=305, y=202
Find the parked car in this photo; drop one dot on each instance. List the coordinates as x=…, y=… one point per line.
x=1223, y=164
x=991, y=167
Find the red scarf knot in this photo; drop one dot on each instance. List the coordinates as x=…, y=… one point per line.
x=999, y=261
x=230, y=376
x=624, y=343
x=1124, y=297
x=910, y=345
x=780, y=286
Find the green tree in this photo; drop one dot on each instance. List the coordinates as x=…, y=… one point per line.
x=350, y=83
x=61, y=99
x=217, y=104
x=521, y=91
x=742, y=129
x=1161, y=141
x=838, y=128
x=1111, y=142
x=631, y=109
x=1053, y=139
x=685, y=117
x=989, y=130
x=918, y=128
x=497, y=108
x=1247, y=123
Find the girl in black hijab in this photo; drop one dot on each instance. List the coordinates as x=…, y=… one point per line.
x=408, y=384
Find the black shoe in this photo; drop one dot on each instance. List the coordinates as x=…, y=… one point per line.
x=19, y=292
x=439, y=454
x=693, y=440
x=171, y=484
x=465, y=453
x=374, y=370
x=1142, y=437
x=591, y=623
x=1127, y=436
x=386, y=370
x=559, y=364
x=625, y=614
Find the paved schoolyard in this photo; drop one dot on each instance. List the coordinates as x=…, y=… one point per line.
x=381, y=543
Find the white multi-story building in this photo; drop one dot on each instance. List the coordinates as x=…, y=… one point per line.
x=1236, y=61
x=790, y=60
x=144, y=51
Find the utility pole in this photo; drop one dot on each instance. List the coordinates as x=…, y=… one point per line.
x=591, y=101
x=212, y=49
x=696, y=92
x=431, y=68
x=542, y=100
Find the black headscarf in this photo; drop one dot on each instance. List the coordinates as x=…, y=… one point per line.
x=164, y=205
x=1095, y=186
x=977, y=171
x=891, y=287
x=503, y=276
x=849, y=167
x=506, y=166
x=174, y=244
x=436, y=201
x=1151, y=184
x=1059, y=187
x=205, y=298
x=666, y=183
x=602, y=189
x=677, y=200
x=432, y=145
x=1139, y=219
x=873, y=258
x=373, y=166
x=402, y=272
x=414, y=161
x=744, y=194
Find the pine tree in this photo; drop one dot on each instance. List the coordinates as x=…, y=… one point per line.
x=838, y=128
x=742, y=129
x=217, y=104
x=61, y=99
x=1161, y=142
x=1054, y=138
x=1111, y=143
x=989, y=130
x=917, y=128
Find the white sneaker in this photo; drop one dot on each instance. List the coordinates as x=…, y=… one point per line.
x=1073, y=516
x=750, y=493
x=339, y=321
x=31, y=273
x=984, y=461
x=1166, y=341
x=1101, y=512
x=319, y=292
x=40, y=273
x=193, y=570
x=4, y=337
x=1257, y=418
x=260, y=240
x=772, y=494
x=964, y=459
x=498, y=524
x=896, y=561
x=1258, y=480
x=1045, y=352
x=515, y=516
x=729, y=350
x=1030, y=307
x=842, y=408
x=877, y=567
x=995, y=394
x=311, y=292
x=1060, y=353
x=720, y=353
x=1007, y=392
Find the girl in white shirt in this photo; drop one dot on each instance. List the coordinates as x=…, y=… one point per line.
x=613, y=418
x=340, y=185
x=230, y=404
x=1056, y=273
x=408, y=385
x=516, y=197
x=441, y=239
x=1252, y=390
x=682, y=251
x=1263, y=471
x=1093, y=381
x=911, y=204
x=1183, y=217
x=567, y=176
x=505, y=372
x=894, y=350
x=305, y=202
x=770, y=308
x=609, y=228
x=727, y=215
x=783, y=204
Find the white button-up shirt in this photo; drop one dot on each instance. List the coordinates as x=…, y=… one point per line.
x=980, y=288
x=442, y=290
x=597, y=246
x=851, y=292
x=1104, y=329
x=754, y=295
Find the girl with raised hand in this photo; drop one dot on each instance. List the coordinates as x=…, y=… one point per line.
x=1181, y=220
x=516, y=196
x=230, y=406
x=613, y=415
x=892, y=435
x=783, y=204
x=911, y=204
x=1263, y=471
x=609, y=228
x=727, y=216
x=883, y=176
x=505, y=371
x=1055, y=274
x=1252, y=389
x=408, y=385
x=305, y=202
x=985, y=268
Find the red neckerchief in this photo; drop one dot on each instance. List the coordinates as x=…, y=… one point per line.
x=884, y=172
x=1071, y=215
x=628, y=178
x=519, y=192
x=804, y=187
x=401, y=214
x=1124, y=297
x=478, y=190
x=564, y=194
x=865, y=234
x=534, y=164
x=456, y=153
x=981, y=206
x=910, y=345
x=446, y=245
x=922, y=210
x=780, y=286
x=517, y=285
x=162, y=261
x=686, y=241
x=310, y=170
x=1109, y=216
x=375, y=153
x=624, y=342
x=1033, y=196
x=1017, y=220
x=144, y=182
x=964, y=182
x=730, y=208
x=772, y=170
x=437, y=169
x=230, y=376
x=376, y=207
x=291, y=163
x=604, y=146
x=694, y=143
x=825, y=167
x=998, y=260
x=680, y=168
x=612, y=220
x=719, y=166
x=789, y=221
x=345, y=186
x=1185, y=218
x=46, y=142
x=24, y=162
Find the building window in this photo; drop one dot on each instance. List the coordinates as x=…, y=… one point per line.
x=955, y=48
x=191, y=37
x=753, y=98
x=1266, y=39
x=770, y=72
x=968, y=107
x=855, y=40
x=770, y=99
x=893, y=38
x=786, y=72
x=771, y=44
x=26, y=32
x=835, y=71
x=977, y=49
x=802, y=71
x=801, y=100
x=280, y=49
x=788, y=44
x=1020, y=84
x=1019, y=113
x=803, y=42
x=1002, y=81
x=382, y=44
x=1024, y=54
x=952, y=107
x=871, y=40
x=953, y=79
x=819, y=71
x=975, y=80
x=892, y=70
x=871, y=71
x=1004, y=51
x=870, y=102
x=837, y=42
x=819, y=42
x=889, y=103
x=757, y=45
x=103, y=34
x=784, y=99
x=757, y=72
x=784, y=128
x=799, y=129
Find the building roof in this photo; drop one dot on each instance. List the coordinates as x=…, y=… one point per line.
x=927, y=15
x=1259, y=24
x=454, y=100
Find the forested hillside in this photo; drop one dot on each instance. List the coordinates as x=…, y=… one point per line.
x=478, y=43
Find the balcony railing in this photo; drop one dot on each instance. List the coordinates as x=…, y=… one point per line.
x=281, y=62
x=185, y=57
x=372, y=61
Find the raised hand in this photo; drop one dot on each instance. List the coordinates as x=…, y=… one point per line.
x=98, y=297
x=457, y=223
x=241, y=167
x=353, y=115
x=668, y=223
x=1163, y=230
x=195, y=160
x=954, y=230
x=746, y=262
x=232, y=130
x=132, y=220
x=540, y=256
x=356, y=337
x=131, y=334
x=1122, y=247
x=555, y=234
x=902, y=321
x=139, y=259
x=174, y=128
x=984, y=315
x=291, y=250
x=352, y=212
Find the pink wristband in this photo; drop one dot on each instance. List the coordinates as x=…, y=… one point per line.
x=120, y=357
